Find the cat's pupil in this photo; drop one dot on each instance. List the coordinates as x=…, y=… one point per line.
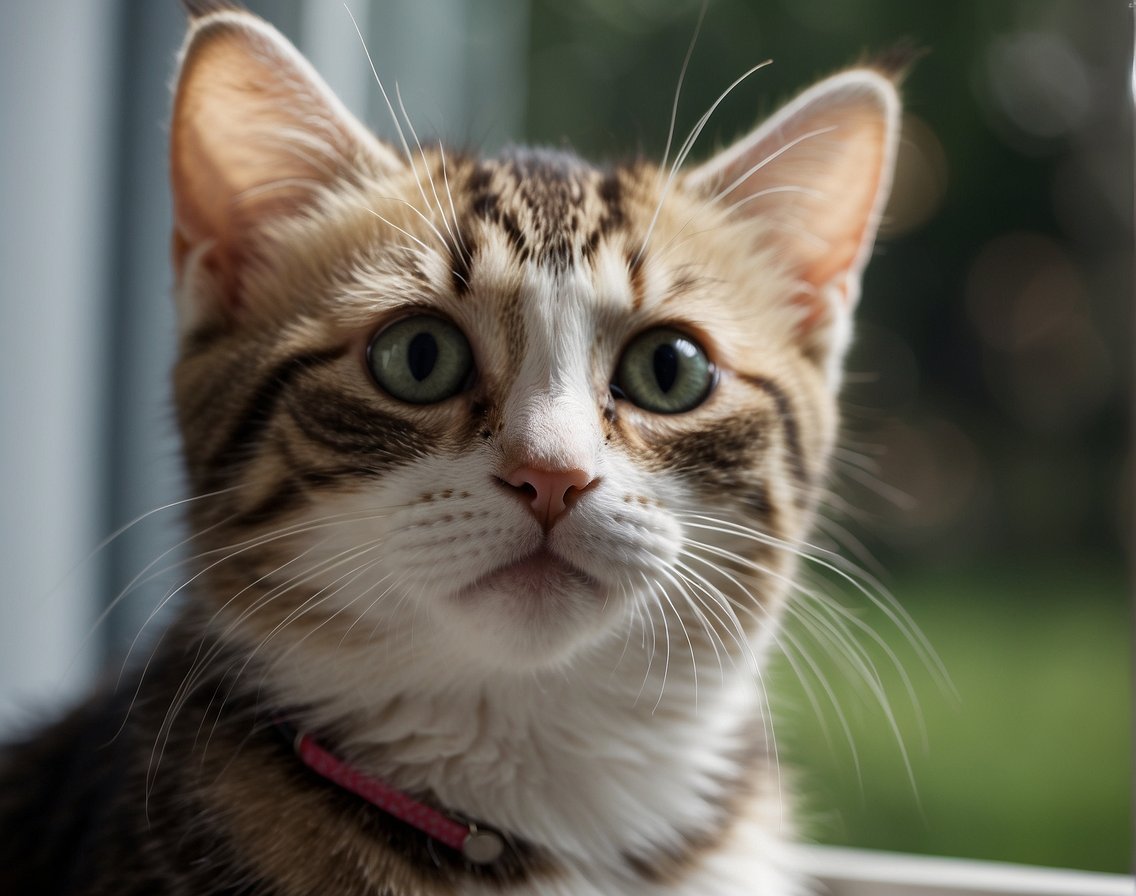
x=665, y=364
x=421, y=355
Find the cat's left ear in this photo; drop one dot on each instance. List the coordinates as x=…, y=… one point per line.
x=814, y=179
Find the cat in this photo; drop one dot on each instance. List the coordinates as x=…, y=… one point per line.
x=500, y=469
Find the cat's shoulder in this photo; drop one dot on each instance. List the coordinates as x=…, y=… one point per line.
x=56, y=785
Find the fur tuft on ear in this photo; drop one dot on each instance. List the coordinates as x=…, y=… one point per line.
x=896, y=62
x=815, y=177
x=255, y=134
x=195, y=9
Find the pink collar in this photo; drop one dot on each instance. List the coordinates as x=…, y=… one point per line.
x=480, y=846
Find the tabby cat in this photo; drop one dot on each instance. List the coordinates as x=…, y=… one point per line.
x=501, y=467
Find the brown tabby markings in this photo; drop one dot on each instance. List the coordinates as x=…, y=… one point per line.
x=258, y=411
x=281, y=425
x=297, y=239
x=552, y=208
x=788, y=421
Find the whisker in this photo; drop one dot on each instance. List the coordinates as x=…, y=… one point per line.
x=367, y=610
x=203, y=661
x=425, y=165
x=405, y=233
x=705, y=625
x=684, y=151
x=681, y=80
x=799, y=651
x=142, y=578
x=450, y=198
x=770, y=191
x=390, y=109
x=776, y=154
x=851, y=651
x=632, y=617
x=414, y=208
x=649, y=627
x=142, y=517
x=890, y=493
x=777, y=634
x=718, y=601
x=836, y=564
x=311, y=603
x=871, y=677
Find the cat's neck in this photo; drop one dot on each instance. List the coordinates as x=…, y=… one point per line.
x=573, y=763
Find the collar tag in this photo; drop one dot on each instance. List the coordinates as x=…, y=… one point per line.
x=482, y=847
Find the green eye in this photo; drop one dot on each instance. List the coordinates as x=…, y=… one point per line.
x=420, y=359
x=665, y=371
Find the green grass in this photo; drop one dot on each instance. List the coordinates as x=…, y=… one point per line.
x=1031, y=762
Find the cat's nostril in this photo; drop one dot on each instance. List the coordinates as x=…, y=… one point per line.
x=548, y=493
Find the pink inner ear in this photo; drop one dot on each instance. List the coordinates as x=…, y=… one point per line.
x=814, y=179
x=199, y=201
x=842, y=258
x=255, y=134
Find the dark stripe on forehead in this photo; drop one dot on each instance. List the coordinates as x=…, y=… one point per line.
x=258, y=411
x=789, y=424
x=462, y=249
x=486, y=206
x=611, y=195
x=556, y=251
x=515, y=234
x=548, y=190
x=479, y=177
x=635, y=276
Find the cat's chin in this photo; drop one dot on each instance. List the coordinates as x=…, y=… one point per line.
x=537, y=611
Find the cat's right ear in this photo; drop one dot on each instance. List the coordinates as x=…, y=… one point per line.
x=255, y=134
x=815, y=177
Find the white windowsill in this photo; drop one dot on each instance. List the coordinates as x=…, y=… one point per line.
x=852, y=872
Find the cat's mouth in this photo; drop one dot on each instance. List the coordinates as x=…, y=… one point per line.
x=541, y=573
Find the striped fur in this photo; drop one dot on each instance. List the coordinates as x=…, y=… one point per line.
x=605, y=711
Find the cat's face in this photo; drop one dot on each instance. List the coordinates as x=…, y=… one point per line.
x=505, y=411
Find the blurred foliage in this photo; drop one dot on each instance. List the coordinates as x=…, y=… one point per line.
x=987, y=399
x=1022, y=755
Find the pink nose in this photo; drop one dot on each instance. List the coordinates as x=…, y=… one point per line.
x=548, y=492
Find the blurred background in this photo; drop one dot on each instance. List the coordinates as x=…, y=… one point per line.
x=985, y=478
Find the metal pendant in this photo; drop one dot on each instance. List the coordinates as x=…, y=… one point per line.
x=482, y=847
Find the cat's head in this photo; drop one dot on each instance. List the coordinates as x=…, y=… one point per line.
x=504, y=411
